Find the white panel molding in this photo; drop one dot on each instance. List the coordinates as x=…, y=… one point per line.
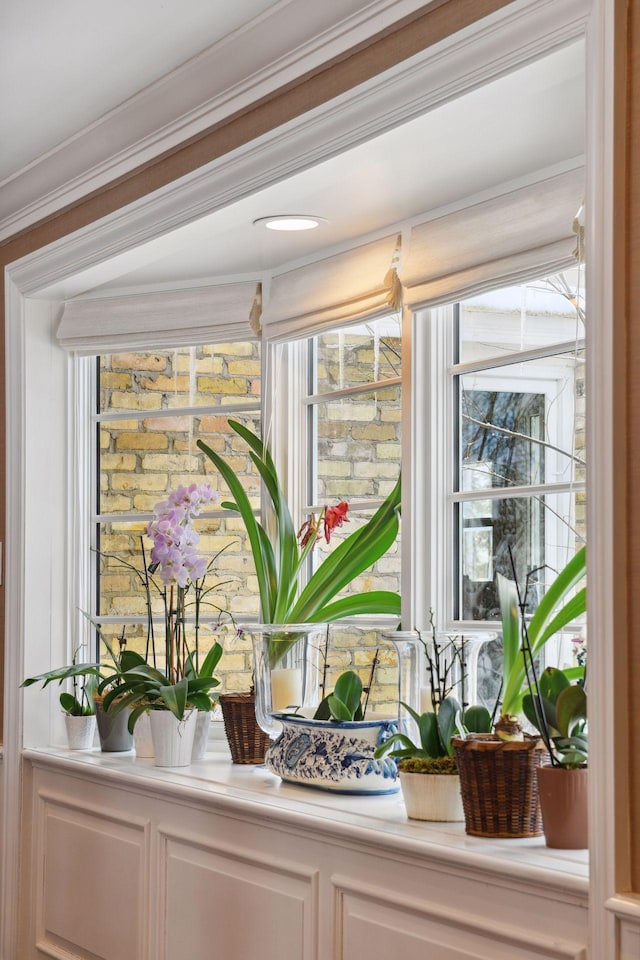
x=245, y=855
x=286, y=42
x=103, y=821
x=628, y=937
x=275, y=875
x=526, y=942
x=520, y=32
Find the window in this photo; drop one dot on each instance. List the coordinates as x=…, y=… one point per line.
x=519, y=476
x=151, y=408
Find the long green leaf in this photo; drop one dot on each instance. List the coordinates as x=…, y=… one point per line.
x=211, y=660
x=250, y=522
x=375, y=602
x=352, y=557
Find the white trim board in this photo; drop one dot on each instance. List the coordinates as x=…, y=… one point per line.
x=290, y=39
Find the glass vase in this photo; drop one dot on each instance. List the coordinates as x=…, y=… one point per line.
x=287, y=661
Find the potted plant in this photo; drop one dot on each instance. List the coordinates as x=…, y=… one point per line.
x=334, y=747
x=78, y=706
x=292, y=616
x=427, y=769
x=557, y=707
x=498, y=779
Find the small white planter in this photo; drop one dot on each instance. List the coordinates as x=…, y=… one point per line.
x=80, y=731
x=431, y=796
x=172, y=738
x=201, y=738
x=142, y=739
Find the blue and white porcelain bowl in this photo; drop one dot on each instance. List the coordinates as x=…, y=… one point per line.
x=334, y=756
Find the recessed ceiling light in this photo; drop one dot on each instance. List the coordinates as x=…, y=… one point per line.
x=289, y=222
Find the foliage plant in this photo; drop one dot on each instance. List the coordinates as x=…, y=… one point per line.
x=345, y=703
x=176, y=574
x=279, y=564
x=558, y=709
x=83, y=676
x=434, y=752
x=556, y=609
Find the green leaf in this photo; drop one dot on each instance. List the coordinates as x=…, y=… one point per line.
x=211, y=660
x=73, y=707
x=339, y=710
x=390, y=747
x=552, y=682
x=571, y=708
x=200, y=701
x=136, y=713
x=447, y=722
x=429, y=739
x=548, y=708
x=348, y=689
x=477, y=719
x=375, y=602
x=323, y=710
x=357, y=553
x=256, y=539
x=174, y=697
x=64, y=673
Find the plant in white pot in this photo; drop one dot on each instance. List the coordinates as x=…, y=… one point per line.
x=77, y=705
x=427, y=766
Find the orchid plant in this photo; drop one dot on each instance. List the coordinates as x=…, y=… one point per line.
x=182, y=572
x=279, y=561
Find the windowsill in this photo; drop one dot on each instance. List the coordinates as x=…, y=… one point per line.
x=380, y=822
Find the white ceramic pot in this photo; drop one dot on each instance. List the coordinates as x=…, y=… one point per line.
x=80, y=731
x=431, y=796
x=334, y=756
x=201, y=738
x=142, y=739
x=172, y=738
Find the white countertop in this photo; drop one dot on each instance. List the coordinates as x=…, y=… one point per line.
x=379, y=821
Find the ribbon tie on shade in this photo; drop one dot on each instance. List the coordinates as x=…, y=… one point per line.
x=256, y=312
x=392, y=280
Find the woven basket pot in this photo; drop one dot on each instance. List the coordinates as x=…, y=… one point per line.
x=499, y=786
x=247, y=742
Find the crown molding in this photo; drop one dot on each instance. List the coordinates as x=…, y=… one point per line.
x=520, y=32
x=288, y=41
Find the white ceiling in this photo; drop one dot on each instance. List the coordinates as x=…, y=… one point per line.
x=509, y=129
x=66, y=63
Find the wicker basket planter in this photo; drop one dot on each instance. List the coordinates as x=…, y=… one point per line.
x=247, y=742
x=499, y=786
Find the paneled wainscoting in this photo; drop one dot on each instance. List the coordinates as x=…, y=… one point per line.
x=123, y=861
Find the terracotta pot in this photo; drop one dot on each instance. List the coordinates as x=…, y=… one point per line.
x=563, y=798
x=432, y=796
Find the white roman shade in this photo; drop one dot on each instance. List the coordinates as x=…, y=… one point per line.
x=507, y=239
x=349, y=286
x=211, y=314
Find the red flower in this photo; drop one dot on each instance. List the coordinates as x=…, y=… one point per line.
x=308, y=531
x=334, y=517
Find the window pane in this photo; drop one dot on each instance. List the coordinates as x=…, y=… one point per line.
x=358, y=445
x=523, y=424
x=142, y=460
x=539, y=530
x=523, y=317
x=359, y=354
x=185, y=377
